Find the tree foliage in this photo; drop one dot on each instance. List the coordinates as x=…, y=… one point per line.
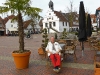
x=19, y=8
x=45, y=38
x=71, y=14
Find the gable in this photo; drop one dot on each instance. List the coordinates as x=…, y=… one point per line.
x=98, y=8
x=27, y=23
x=7, y=18
x=60, y=16
x=40, y=22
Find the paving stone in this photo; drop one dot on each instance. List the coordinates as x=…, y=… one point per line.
x=37, y=64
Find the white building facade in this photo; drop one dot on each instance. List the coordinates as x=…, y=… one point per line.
x=54, y=21
x=29, y=28
x=11, y=26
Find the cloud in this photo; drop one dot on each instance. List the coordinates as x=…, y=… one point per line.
x=90, y=5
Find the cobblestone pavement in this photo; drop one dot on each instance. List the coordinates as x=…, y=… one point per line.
x=37, y=65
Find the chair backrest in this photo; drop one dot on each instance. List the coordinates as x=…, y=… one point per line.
x=69, y=42
x=62, y=41
x=71, y=36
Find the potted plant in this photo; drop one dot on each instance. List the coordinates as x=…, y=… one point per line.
x=20, y=7
x=44, y=42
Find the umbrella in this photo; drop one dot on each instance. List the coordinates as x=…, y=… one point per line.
x=82, y=36
x=99, y=22
x=89, y=28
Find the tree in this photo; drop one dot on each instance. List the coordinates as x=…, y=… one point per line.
x=71, y=14
x=20, y=7
x=34, y=20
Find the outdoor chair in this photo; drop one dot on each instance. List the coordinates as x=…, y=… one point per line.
x=70, y=49
x=60, y=41
x=49, y=63
x=92, y=42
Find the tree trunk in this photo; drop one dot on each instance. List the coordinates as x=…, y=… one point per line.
x=21, y=32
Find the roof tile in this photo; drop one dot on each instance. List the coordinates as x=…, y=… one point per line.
x=60, y=16
x=26, y=23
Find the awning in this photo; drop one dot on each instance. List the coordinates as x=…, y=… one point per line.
x=12, y=29
x=1, y=29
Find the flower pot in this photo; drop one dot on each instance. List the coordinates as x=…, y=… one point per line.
x=97, y=68
x=21, y=60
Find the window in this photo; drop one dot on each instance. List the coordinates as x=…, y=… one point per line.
x=49, y=13
x=54, y=24
x=52, y=18
x=11, y=25
x=63, y=23
x=49, y=18
x=46, y=24
x=50, y=24
x=66, y=23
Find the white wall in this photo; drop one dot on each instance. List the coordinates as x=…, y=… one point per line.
x=94, y=24
x=9, y=24
x=59, y=25
x=30, y=28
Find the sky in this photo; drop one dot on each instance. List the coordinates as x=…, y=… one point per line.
x=61, y=5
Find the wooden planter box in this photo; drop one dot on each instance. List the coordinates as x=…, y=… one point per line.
x=41, y=51
x=97, y=68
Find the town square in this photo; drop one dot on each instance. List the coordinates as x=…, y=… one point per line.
x=37, y=64
x=63, y=42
